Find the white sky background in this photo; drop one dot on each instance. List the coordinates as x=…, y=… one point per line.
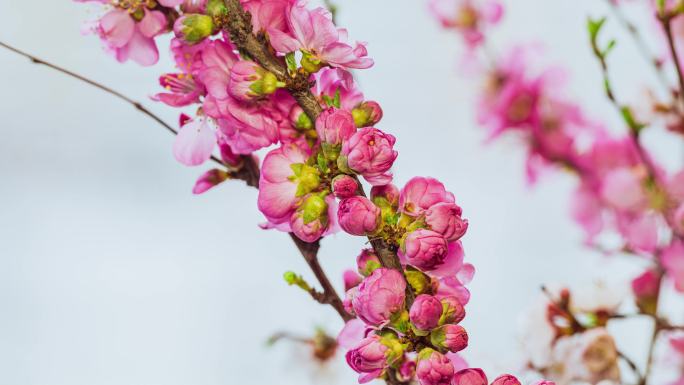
x=113, y=273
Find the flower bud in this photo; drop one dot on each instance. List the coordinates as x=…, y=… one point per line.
x=453, y=311
x=445, y=218
x=433, y=368
x=425, y=249
x=334, y=125
x=453, y=338
x=216, y=8
x=387, y=195
x=367, y=114
x=506, y=379
x=193, y=28
x=379, y=296
x=249, y=81
x=299, y=119
x=358, y=216
x=344, y=186
x=646, y=288
x=310, y=220
x=373, y=355
x=470, y=376
x=307, y=178
x=194, y=6
x=406, y=371
x=367, y=262
x=314, y=207
x=209, y=180
x=419, y=281
x=425, y=312
x=370, y=152
x=419, y=194
x=351, y=279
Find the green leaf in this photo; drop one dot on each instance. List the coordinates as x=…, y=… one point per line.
x=291, y=62
x=594, y=27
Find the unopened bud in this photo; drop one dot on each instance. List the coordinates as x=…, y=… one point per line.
x=193, y=28
x=367, y=114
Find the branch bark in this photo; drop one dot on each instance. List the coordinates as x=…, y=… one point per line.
x=238, y=23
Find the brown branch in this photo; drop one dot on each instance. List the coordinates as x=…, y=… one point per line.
x=632, y=366
x=247, y=172
x=665, y=19
x=657, y=328
x=238, y=23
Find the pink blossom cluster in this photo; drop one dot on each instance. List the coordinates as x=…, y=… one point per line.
x=407, y=306
x=622, y=189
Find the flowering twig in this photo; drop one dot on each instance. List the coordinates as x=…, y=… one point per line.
x=239, y=23
x=248, y=172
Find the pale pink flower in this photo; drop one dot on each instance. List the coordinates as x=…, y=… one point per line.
x=277, y=187
x=314, y=33
x=194, y=143
x=623, y=189
x=379, y=296
x=468, y=17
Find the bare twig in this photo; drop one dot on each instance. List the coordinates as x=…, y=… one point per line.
x=666, y=22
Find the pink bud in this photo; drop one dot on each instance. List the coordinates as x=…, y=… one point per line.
x=506, y=379
x=425, y=312
x=310, y=220
x=425, y=249
x=367, y=114
x=379, y=296
x=333, y=126
x=344, y=186
x=368, y=358
x=434, y=368
x=420, y=194
x=209, y=180
x=299, y=119
x=370, y=152
x=248, y=81
x=471, y=376
x=351, y=279
x=646, y=288
x=388, y=192
x=453, y=338
x=453, y=310
x=367, y=262
x=445, y=218
x=406, y=371
x=227, y=155
x=358, y=216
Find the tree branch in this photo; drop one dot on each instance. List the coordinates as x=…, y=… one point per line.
x=238, y=23
x=666, y=22
x=247, y=172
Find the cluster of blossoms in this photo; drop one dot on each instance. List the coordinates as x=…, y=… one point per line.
x=408, y=297
x=622, y=189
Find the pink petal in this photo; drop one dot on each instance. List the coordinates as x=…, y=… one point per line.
x=117, y=28
x=194, y=143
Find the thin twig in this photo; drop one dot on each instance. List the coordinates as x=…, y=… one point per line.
x=247, y=172
x=632, y=366
x=641, y=45
x=666, y=22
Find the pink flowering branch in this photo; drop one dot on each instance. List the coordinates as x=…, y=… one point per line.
x=239, y=23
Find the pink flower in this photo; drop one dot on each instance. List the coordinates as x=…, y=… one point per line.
x=445, y=218
x=370, y=152
x=344, y=186
x=379, y=296
x=314, y=33
x=353, y=332
x=184, y=90
x=470, y=376
x=209, y=180
x=267, y=14
x=430, y=252
x=453, y=338
x=367, y=262
x=312, y=219
x=333, y=81
x=130, y=38
x=433, y=368
x=351, y=279
x=194, y=143
x=425, y=312
x=368, y=358
x=419, y=194
x=216, y=60
x=358, y=216
x=467, y=16
x=506, y=379
x=622, y=189
x=307, y=231
x=247, y=127
x=672, y=259
x=641, y=233
x=278, y=185
x=334, y=126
